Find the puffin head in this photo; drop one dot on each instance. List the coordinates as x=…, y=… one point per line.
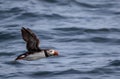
x=52, y=52
x=20, y=57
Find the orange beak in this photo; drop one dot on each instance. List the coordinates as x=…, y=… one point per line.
x=56, y=53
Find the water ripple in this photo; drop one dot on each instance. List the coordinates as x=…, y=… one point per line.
x=96, y=71
x=104, y=30
x=28, y=15
x=81, y=30
x=6, y=54
x=10, y=12
x=114, y=63
x=45, y=73
x=69, y=71
x=93, y=5
x=7, y=36
x=14, y=63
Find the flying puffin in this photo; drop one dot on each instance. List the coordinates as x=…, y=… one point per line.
x=34, y=52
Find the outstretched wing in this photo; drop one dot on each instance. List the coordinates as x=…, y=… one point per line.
x=31, y=40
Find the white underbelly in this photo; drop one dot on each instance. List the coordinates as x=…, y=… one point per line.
x=35, y=56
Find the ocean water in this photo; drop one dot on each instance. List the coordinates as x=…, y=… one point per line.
x=85, y=32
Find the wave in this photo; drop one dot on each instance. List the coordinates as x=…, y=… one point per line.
x=105, y=30
x=50, y=1
x=114, y=63
x=32, y=15
x=100, y=71
x=14, y=63
x=92, y=5
x=96, y=71
x=6, y=54
x=10, y=12
x=48, y=73
x=42, y=73
x=7, y=36
x=74, y=34
x=69, y=71
x=93, y=39
x=85, y=4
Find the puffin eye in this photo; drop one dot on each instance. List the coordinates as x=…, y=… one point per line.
x=50, y=50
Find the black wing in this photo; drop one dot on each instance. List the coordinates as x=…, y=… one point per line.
x=31, y=40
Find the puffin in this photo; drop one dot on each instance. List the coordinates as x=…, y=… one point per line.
x=34, y=52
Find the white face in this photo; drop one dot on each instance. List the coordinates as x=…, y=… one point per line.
x=51, y=52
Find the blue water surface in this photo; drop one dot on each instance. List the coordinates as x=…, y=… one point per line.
x=85, y=32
